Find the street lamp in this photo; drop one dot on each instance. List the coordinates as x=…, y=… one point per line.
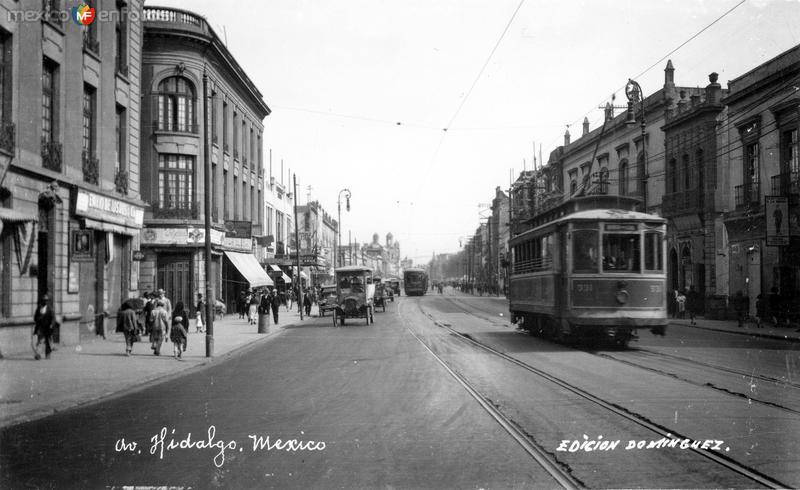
x=635, y=94
x=339, y=224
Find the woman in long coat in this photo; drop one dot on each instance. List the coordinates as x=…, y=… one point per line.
x=127, y=323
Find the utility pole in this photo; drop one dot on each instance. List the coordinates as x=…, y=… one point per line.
x=297, y=249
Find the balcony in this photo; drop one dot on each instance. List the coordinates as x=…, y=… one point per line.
x=121, y=181
x=179, y=210
x=91, y=168
x=748, y=196
x=7, y=136
x=785, y=184
x=51, y=155
x=175, y=19
x=176, y=126
x=600, y=183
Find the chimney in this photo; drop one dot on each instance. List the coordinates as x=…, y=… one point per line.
x=585, y=126
x=566, y=138
x=713, y=90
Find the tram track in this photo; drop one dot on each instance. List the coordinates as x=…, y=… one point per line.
x=629, y=362
x=720, y=459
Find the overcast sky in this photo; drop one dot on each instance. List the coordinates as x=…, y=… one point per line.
x=362, y=90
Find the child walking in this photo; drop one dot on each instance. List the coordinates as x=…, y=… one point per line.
x=177, y=333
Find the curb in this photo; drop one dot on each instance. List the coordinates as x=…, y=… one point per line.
x=736, y=332
x=140, y=385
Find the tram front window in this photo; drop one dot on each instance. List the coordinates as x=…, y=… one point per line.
x=621, y=252
x=584, y=251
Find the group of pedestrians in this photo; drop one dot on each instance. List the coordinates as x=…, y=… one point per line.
x=687, y=301
x=157, y=319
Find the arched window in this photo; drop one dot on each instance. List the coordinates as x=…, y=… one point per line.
x=623, y=178
x=701, y=172
x=673, y=175
x=687, y=175
x=604, y=180
x=176, y=105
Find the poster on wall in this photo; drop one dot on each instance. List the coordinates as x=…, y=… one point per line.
x=82, y=245
x=777, y=216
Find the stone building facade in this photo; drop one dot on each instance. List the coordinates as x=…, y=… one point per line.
x=183, y=60
x=71, y=207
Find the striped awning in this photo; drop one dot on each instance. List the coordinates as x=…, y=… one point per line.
x=249, y=267
x=9, y=215
x=286, y=278
x=275, y=267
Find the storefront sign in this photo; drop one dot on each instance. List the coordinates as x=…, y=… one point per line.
x=238, y=229
x=137, y=255
x=242, y=244
x=179, y=236
x=103, y=208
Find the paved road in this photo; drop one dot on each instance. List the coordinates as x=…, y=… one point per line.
x=382, y=412
x=370, y=407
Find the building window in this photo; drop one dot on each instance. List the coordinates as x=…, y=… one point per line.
x=121, y=131
x=235, y=136
x=225, y=207
x=176, y=102
x=673, y=175
x=278, y=226
x=244, y=199
x=214, y=120
x=252, y=149
x=751, y=162
x=623, y=178
x=573, y=181
x=91, y=40
x=7, y=136
x=88, y=120
x=121, y=32
x=260, y=156
x=260, y=205
x=687, y=174
x=253, y=216
x=790, y=160
x=235, y=197
x=175, y=181
x=225, y=127
x=48, y=101
x=243, y=146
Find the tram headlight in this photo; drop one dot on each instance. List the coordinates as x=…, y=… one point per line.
x=622, y=296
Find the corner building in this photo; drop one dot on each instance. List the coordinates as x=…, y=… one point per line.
x=70, y=201
x=180, y=49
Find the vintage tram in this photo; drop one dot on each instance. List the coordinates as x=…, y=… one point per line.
x=590, y=269
x=415, y=281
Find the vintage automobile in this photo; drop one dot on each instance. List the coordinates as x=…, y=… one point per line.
x=380, y=294
x=354, y=294
x=327, y=298
x=393, y=283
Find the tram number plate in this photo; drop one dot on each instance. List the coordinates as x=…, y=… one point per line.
x=584, y=287
x=655, y=288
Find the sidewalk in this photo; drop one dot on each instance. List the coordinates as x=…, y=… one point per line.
x=770, y=331
x=99, y=369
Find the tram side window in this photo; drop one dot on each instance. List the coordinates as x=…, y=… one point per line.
x=653, y=251
x=584, y=251
x=621, y=252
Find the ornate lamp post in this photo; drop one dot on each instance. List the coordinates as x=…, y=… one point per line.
x=338, y=248
x=634, y=93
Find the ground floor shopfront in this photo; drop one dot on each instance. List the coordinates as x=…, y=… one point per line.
x=71, y=243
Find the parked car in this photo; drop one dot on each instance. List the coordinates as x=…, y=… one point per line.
x=327, y=298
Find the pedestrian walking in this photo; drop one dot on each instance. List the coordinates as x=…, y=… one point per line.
x=276, y=304
x=44, y=320
x=774, y=306
x=760, y=311
x=693, y=304
x=741, y=305
x=241, y=304
x=177, y=334
x=252, y=312
x=162, y=295
x=200, y=308
x=288, y=301
x=307, y=303
x=681, y=302
x=127, y=324
x=160, y=327
x=264, y=306
x=149, y=306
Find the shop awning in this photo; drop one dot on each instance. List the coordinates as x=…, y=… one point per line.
x=9, y=215
x=275, y=267
x=249, y=267
x=303, y=275
x=110, y=227
x=286, y=278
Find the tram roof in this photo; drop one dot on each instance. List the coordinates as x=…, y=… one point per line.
x=605, y=214
x=354, y=268
x=415, y=269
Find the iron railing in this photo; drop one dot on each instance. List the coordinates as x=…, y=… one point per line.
x=178, y=210
x=121, y=181
x=91, y=168
x=7, y=136
x=51, y=155
x=747, y=195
